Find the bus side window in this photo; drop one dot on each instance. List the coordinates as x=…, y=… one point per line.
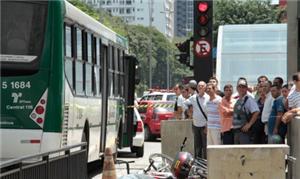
x=121, y=74
x=116, y=74
x=122, y=60
x=88, y=65
x=69, y=60
x=111, y=71
x=97, y=69
x=79, y=63
x=104, y=58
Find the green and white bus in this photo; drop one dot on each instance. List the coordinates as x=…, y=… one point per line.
x=65, y=79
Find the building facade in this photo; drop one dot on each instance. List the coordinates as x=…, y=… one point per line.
x=138, y=12
x=183, y=17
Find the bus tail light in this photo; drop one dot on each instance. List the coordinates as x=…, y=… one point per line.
x=35, y=141
x=39, y=120
x=31, y=141
x=39, y=110
x=38, y=113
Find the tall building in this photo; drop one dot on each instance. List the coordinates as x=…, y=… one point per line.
x=183, y=17
x=138, y=12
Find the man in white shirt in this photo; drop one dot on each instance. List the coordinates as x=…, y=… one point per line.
x=198, y=102
x=268, y=104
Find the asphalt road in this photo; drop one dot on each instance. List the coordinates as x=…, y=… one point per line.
x=139, y=163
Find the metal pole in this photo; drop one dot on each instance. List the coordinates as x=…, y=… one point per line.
x=169, y=12
x=150, y=44
x=168, y=71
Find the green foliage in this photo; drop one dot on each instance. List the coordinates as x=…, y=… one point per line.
x=162, y=50
x=85, y=8
x=115, y=23
x=140, y=88
x=244, y=12
x=139, y=44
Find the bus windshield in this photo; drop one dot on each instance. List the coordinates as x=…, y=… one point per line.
x=22, y=35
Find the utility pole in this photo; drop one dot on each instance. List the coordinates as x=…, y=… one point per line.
x=150, y=43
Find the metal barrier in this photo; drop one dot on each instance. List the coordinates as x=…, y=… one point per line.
x=65, y=163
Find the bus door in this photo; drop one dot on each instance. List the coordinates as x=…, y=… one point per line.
x=127, y=130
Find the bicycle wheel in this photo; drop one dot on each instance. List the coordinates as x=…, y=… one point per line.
x=199, y=168
x=200, y=163
x=198, y=171
x=161, y=162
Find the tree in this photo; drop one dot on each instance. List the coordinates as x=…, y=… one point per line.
x=244, y=12
x=115, y=23
x=161, y=51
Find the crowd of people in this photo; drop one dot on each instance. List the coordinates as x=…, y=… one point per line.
x=249, y=116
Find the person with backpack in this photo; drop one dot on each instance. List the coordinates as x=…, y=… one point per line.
x=245, y=113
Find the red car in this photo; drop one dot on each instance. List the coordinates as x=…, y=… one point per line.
x=152, y=112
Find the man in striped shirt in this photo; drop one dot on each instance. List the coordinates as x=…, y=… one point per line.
x=213, y=116
x=293, y=100
x=294, y=96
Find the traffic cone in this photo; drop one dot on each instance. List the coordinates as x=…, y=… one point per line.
x=109, y=169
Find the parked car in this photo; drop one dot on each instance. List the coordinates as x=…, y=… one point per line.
x=152, y=113
x=138, y=140
x=159, y=96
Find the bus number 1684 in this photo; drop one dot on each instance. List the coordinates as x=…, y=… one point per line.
x=16, y=85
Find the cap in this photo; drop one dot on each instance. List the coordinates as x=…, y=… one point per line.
x=242, y=82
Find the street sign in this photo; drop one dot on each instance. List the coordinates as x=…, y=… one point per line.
x=202, y=48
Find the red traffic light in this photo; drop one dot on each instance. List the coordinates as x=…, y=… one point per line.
x=203, y=6
x=203, y=19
